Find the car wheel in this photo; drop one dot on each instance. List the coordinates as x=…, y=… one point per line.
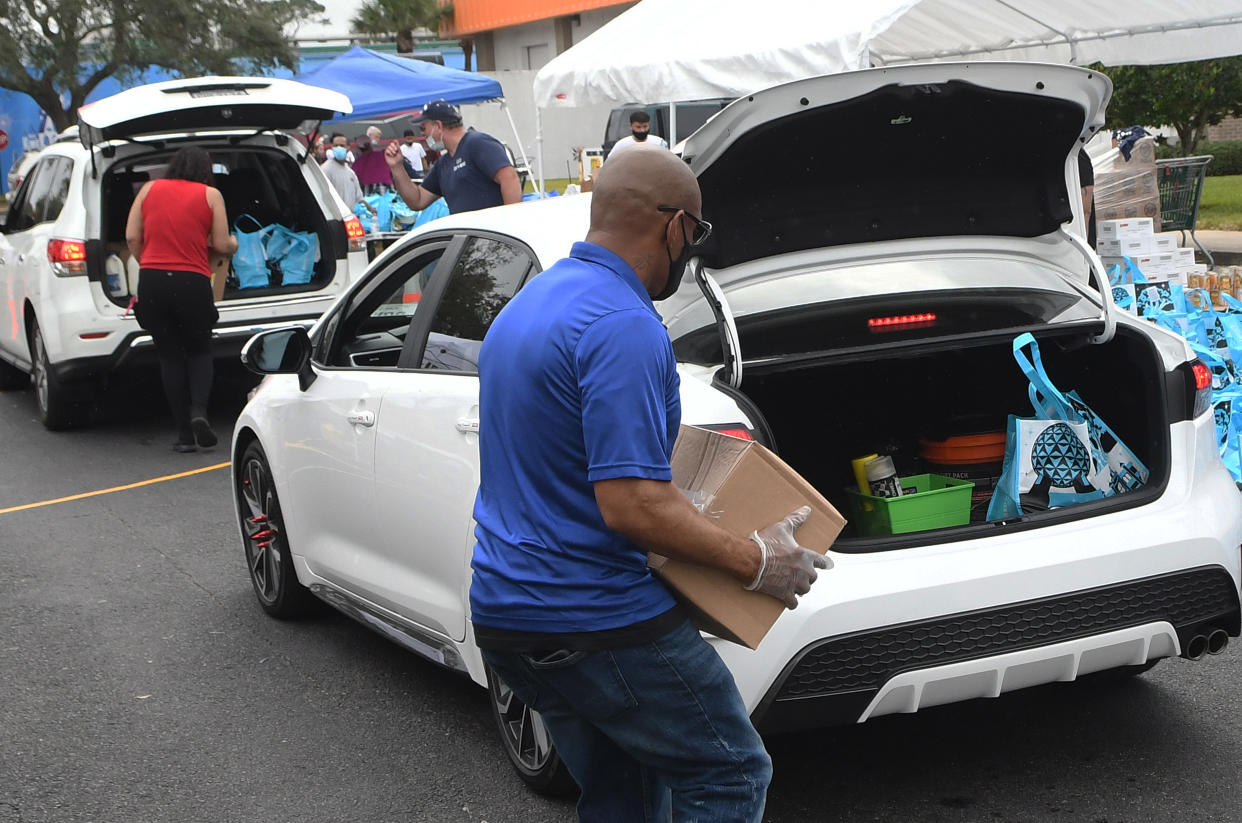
x=60, y=405
x=267, y=546
x=527, y=743
x=12, y=377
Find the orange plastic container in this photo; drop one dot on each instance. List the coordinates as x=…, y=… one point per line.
x=966, y=449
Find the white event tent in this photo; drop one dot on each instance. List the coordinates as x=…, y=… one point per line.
x=674, y=50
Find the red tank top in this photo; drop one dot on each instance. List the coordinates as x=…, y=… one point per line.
x=176, y=222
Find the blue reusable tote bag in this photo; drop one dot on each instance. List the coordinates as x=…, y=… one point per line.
x=293, y=253
x=1125, y=472
x=250, y=259
x=1054, y=458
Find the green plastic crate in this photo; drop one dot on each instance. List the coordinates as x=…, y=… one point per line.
x=938, y=502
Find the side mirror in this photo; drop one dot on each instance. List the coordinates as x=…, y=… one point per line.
x=280, y=351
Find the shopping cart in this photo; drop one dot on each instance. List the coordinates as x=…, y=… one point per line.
x=1181, y=187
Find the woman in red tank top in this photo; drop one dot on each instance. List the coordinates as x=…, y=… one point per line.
x=171, y=225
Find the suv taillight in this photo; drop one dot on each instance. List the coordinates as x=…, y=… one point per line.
x=357, y=237
x=68, y=257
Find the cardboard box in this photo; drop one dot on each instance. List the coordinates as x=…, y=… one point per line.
x=219, y=264
x=1119, y=229
x=1164, y=241
x=1135, y=246
x=743, y=487
x=1108, y=248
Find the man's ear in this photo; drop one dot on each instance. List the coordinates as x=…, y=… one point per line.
x=670, y=230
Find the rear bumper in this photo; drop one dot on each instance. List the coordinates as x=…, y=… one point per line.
x=904, y=668
x=137, y=349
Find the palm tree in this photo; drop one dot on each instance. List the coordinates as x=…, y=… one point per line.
x=400, y=17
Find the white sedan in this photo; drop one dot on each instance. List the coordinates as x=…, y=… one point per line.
x=876, y=251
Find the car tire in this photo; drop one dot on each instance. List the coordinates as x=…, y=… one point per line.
x=527, y=743
x=12, y=378
x=60, y=405
x=266, y=544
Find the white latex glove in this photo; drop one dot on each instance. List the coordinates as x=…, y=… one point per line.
x=787, y=569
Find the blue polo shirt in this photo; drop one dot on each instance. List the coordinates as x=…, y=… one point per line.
x=577, y=383
x=466, y=178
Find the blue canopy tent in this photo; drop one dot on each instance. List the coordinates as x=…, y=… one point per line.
x=378, y=84
x=384, y=83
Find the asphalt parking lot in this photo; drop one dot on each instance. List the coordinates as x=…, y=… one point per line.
x=141, y=682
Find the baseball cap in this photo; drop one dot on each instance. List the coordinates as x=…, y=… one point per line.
x=441, y=110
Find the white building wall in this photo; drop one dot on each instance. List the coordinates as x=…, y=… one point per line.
x=531, y=45
x=564, y=129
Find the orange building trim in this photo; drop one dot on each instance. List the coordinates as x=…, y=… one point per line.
x=474, y=16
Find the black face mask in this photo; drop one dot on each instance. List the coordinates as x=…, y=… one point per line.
x=640, y=136
x=676, y=271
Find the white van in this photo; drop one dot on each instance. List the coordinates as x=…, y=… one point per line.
x=67, y=319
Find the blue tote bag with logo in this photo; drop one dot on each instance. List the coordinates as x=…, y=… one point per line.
x=1064, y=455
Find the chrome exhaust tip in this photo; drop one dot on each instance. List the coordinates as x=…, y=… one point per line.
x=1196, y=647
x=1217, y=641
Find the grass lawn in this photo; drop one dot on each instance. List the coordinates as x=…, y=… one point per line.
x=556, y=184
x=1221, y=205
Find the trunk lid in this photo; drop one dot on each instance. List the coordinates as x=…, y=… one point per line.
x=207, y=104
x=898, y=164
x=935, y=150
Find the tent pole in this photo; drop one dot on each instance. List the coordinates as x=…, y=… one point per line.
x=539, y=144
x=521, y=148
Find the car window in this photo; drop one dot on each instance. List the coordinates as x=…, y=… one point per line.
x=485, y=277
x=372, y=330
x=22, y=214
x=52, y=188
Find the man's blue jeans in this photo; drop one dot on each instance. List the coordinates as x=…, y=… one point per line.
x=648, y=730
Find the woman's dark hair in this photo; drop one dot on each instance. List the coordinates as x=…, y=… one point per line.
x=191, y=163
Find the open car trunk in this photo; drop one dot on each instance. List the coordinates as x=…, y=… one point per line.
x=822, y=413
x=264, y=183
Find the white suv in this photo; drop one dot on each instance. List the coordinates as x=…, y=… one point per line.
x=67, y=319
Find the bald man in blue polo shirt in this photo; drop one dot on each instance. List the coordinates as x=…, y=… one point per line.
x=579, y=408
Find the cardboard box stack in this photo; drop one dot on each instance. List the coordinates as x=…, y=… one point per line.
x=1126, y=189
x=1156, y=255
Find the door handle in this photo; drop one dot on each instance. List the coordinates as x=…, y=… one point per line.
x=361, y=418
x=468, y=425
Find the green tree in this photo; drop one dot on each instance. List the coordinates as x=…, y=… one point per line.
x=59, y=51
x=1187, y=96
x=386, y=18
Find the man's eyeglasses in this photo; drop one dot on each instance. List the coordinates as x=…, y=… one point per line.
x=702, y=229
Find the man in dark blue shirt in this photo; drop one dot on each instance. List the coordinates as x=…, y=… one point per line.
x=579, y=408
x=473, y=171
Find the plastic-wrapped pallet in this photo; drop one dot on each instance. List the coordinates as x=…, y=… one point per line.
x=1127, y=188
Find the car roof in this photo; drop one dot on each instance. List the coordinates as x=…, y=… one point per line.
x=549, y=226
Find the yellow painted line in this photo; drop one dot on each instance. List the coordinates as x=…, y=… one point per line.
x=114, y=488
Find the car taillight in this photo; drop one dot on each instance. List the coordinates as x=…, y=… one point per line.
x=901, y=321
x=1203, y=387
x=737, y=430
x=68, y=257
x=357, y=237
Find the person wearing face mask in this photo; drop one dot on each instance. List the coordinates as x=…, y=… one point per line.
x=473, y=172
x=579, y=409
x=341, y=176
x=640, y=136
